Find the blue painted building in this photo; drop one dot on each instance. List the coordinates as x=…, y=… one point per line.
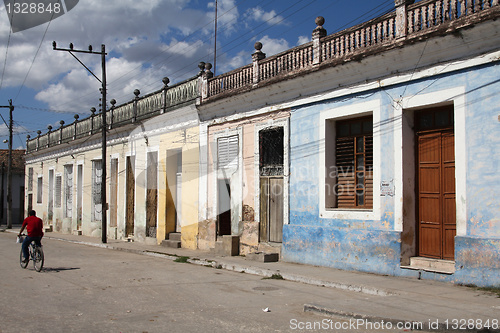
x=395, y=168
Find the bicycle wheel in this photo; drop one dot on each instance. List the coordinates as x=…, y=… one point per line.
x=21, y=257
x=38, y=258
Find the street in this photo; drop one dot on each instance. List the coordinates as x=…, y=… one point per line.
x=89, y=289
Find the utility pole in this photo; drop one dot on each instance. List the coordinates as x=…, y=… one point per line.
x=9, y=167
x=215, y=40
x=1, y=193
x=104, y=125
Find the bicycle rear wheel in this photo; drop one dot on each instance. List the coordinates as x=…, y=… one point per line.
x=38, y=258
x=21, y=257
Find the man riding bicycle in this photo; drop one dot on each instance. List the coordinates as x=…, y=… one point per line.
x=34, y=227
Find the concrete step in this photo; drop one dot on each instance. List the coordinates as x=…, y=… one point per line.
x=263, y=256
x=171, y=243
x=432, y=265
x=227, y=246
x=175, y=236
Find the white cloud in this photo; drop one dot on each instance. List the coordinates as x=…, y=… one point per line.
x=228, y=64
x=272, y=46
x=303, y=40
x=259, y=15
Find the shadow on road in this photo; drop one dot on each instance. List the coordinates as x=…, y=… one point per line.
x=58, y=269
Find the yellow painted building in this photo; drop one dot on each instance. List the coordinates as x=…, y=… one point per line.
x=152, y=169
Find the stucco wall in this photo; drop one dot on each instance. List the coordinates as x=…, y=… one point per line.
x=374, y=245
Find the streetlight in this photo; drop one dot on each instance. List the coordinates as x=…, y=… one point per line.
x=103, y=54
x=9, y=167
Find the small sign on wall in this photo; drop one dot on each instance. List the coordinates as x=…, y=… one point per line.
x=387, y=188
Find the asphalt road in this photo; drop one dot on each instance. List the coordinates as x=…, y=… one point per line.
x=88, y=289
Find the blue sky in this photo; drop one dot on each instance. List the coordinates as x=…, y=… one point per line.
x=146, y=41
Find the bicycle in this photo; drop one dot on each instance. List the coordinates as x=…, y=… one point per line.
x=35, y=254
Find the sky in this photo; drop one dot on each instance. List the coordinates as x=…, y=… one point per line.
x=145, y=41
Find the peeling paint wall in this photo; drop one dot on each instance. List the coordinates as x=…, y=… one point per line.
x=384, y=243
x=244, y=197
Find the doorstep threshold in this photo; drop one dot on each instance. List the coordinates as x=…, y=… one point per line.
x=431, y=265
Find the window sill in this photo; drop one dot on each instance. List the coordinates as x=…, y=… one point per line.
x=347, y=214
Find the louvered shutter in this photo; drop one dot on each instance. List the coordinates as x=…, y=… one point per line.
x=227, y=152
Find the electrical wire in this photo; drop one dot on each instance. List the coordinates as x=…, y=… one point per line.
x=36, y=54
x=7, y=49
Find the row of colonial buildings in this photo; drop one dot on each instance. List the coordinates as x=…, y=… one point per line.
x=372, y=149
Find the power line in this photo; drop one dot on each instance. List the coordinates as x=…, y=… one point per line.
x=6, y=51
x=36, y=54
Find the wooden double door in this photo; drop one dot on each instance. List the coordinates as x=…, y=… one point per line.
x=436, y=193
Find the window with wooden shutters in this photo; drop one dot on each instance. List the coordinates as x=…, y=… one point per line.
x=227, y=152
x=96, y=190
x=68, y=190
x=39, y=190
x=354, y=163
x=30, y=179
x=58, y=191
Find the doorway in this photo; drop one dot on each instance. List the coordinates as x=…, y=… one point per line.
x=130, y=197
x=271, y=171
x=436, y=205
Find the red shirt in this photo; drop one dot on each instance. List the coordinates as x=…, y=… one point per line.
x=34, y=226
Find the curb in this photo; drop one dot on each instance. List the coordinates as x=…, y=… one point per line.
x=360, y=319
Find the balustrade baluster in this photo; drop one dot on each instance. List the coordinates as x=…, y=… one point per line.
x=477, y=6
x=439, y=12
x=362, y=37
x=432, y=15
x=373, y=38
x=463, y=9
x=446, y=10
x=454, y=9
x=379, y=33
x=470, y=8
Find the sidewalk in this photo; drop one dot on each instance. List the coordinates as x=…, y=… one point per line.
x=372, y=297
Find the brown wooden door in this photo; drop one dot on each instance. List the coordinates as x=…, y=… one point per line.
x=113, y=195
x=271, y=209
x=130, y=197
x=436, y=194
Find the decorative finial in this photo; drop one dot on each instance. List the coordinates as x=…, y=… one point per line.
x=137, y=92
x=165, y=81
x=258, y=46
x=320, y=20
x=113, y=102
